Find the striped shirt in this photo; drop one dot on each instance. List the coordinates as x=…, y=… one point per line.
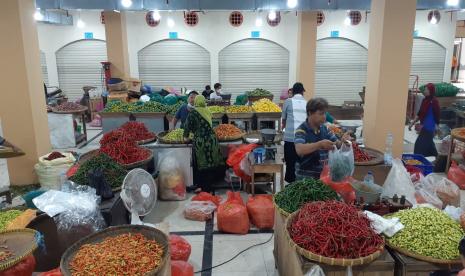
x=295, y=113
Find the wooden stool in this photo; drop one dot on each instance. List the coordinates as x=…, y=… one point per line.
x=269, y=166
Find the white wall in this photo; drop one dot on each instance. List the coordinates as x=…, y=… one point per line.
x=214, y=32
x=54, y=37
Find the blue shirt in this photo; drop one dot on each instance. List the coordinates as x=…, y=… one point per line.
x=182, y=113
x=429, y=123
x=314, y=161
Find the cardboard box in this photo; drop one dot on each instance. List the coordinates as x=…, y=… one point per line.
x=118, y=97
x=134, y=85
x=95, y=104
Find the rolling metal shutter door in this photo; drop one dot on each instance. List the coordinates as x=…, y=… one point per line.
x=43, y=67
x=175, y=63
x=428, y=58
x=79, y=65
x=254, y=63
x=341, y=70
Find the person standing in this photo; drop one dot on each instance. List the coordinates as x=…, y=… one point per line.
x=207, y=92
x=313, y=140
x=429, y=116
x=208, y=161
x=184, y=110
x=217, y=94
x=294, y=114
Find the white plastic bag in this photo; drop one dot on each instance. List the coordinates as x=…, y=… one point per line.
x=49, y=176
x=398, y=182
x=199, y=210
x=427, y=194
x=389, y=227
x=171, y=182
x=316, y=270
x=447, y=191
x=341, y=162
x=453, y=212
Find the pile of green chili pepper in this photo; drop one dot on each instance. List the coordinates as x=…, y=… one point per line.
x=151, y=106
x=7, y=216
x=302, y=191
x=114, y=173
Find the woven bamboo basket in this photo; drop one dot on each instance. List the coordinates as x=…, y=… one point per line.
x=146, y=141
x=83, y=109
x=378, y=158
x=231, y=138
x=281, y=211
x=163, y=141
x=256, y=98
x=217, y=115
x=139, y=163
x=148, y=232
x=240, y=115
x=456, y=134
x=326, y=260
x=88, y=155
x=21, y=242
x=420, y=257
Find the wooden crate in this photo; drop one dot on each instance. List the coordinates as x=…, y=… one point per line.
x=95, y=104
x=406, y=266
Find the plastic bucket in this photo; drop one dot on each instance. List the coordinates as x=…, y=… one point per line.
x=259, y=154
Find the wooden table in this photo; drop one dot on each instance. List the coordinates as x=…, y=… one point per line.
x=268, y=166
x=407, y=266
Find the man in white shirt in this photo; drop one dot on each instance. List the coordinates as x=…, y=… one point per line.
x=217, y=94
x=294, y=114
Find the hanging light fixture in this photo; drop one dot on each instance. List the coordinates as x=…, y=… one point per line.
x=272, y=15
x=292, y=3
x=170, y=22
x=126, y=3
x=452, y=2
x=38, y=16
x=156, y=15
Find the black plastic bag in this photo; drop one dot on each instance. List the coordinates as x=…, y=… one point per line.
x=98, y=182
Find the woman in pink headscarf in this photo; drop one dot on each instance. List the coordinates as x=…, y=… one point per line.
x=428, y=115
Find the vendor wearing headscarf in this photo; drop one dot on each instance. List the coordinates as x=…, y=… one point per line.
x=207, y=156
x=428, y=115
x=184, y=110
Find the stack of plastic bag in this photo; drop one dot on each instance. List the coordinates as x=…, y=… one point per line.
x=180, y=252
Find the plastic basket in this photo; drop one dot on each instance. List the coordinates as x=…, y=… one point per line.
x=426, y=167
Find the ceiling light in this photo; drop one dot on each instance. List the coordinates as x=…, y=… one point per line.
x=38, y=16
x=170, y=23
x=80, y=24
x=272, y=15
x=117, y=11
x=156, y=15
x=258, y=22
x=347, y=21
x=452, y=2
x=126, y=3
x=433, y=20
x=292, y=4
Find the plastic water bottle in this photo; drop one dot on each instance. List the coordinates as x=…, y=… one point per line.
x=369, y=178
x=61, y=179
x=388, y=151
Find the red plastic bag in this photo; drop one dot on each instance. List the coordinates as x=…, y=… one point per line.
x=343, y=188
x=72, y=171
x=261, y=211
x=203, y=196
x=236, y=156
x=457, y=175
x=54, y=272
x=232, y=215
x=180, y=248
x=181, y=268
x=24, y=268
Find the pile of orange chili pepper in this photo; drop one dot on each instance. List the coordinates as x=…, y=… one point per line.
x=224, y=131
x=334, y=229
x=122, y=148
x=125, y=254
x=360, y=155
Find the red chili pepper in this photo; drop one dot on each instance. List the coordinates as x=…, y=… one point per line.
x=360, y=155
x=122, y=147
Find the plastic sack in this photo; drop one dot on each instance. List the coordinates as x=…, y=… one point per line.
x=456, y=174
x=316, y=270
x=453, y=212
x=171, y=181
x=24, y=268
x=181, y=268
x=343, y=188
x=261, y=211
x=22, y=220
x=199, y=210
x=49, y=176
x=446, y=190
x=180, y=248
x=204, y=196
x=69, y=159
x=236, y=155
x=425, y=194
x=398, y=182
x=341, y=162
x=445, y=145
x=232, y=215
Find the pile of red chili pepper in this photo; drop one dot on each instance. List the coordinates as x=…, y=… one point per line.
x=334, y=229
x=360, y=155
x=138, y=131
x=120, y=146
x=54, y=155
x=69, y=106
x=125, y=254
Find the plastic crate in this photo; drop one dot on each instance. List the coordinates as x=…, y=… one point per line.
x=426, y=167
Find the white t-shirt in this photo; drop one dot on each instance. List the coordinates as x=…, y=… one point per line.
x=214, y=96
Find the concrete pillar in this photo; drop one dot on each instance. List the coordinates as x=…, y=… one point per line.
x=117, y=44
x=389, y=55
x=22, y=103
x=306, y=51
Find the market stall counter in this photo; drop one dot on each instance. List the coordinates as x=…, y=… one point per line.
x=407, y=266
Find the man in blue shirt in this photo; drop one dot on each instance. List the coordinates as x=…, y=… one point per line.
x=183, y=111
x=313, y=140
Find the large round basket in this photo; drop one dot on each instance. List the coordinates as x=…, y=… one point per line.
x=231, y=138
x=146, y=141
x=20, y=242
x=162, y=140
x=326, y=260
x=217, y=115
x=257, y=98
x=83, y=109
x=88, y=155
x=257, y=135
x=378, y=158
x=139, y=163
x=239, y=115
x=420, y=257
x=281, y=211
x=149, y=232
x=457, y=133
